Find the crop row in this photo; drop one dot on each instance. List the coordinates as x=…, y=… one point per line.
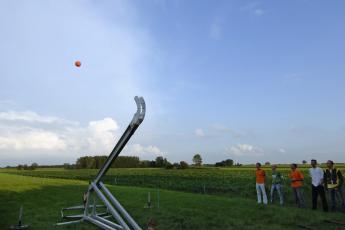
x=235, y=183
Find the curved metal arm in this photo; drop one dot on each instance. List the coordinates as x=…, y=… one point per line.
x=141, y=109
x=136, y=121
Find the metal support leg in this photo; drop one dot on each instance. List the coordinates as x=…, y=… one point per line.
x=93, y=217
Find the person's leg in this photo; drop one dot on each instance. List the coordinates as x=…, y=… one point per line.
x=314, y=193
x=294, y=191
x=300, y=197
x=333, y=202
x=341, y=196
x=280, y=193
x=263, y=191
x=258, y=192
x=273, y=188
x=323, y=198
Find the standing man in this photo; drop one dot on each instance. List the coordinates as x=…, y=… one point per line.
x=260, y=184
x=277, y=184
x=334, y=182
x=297, y=185
x=317, y=187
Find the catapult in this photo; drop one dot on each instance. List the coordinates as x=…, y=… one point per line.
x=115, y=217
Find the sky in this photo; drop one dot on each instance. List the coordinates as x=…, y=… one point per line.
x=243, y=80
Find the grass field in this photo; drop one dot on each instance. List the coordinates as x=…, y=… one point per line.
x=42, y=199
x=230, y=182
x=236, y=208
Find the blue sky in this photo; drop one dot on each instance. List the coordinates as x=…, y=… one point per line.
x=246, y=80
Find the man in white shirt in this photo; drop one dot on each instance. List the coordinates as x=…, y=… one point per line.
x=317, y=187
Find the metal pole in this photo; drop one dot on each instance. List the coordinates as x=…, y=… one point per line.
x=110, y=207
x=105, y=221
x=119, y=207
x=136, y=121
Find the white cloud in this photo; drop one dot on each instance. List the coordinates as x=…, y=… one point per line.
x=32, y=140
x=199, y=133
x=101, y=135
x=21, y=133
x=281, y=150
x=148, y=152
x=254, y=8
x=244, y=150
x=29, y=116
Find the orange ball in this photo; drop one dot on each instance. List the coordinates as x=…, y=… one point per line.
x=77, y=63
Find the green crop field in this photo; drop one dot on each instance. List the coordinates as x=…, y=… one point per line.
x=230, y=182
x=217, y=198
x=43, y=198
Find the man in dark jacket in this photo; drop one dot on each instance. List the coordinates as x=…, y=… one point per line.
x=333, y=180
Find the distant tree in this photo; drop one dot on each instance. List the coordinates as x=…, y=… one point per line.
x=145, y=164
x=197, y=160
x=34, y=165
x=81, y=163
x=219, y=164
x=25, y=167
x=183, y=165
x=304, y=162
x=68, y=166
x=229, y=162
x=225, y=163
x=152, y=164
x=20, y=167
x=90, y=162
x=126, y=162
x=168, y=165
x=176, y=165
x=159, y=162
x=267, y=163
x=96, y=162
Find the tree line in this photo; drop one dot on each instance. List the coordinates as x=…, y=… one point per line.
x=96, y=162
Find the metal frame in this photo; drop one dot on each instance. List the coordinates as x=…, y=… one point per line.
x=98, y=190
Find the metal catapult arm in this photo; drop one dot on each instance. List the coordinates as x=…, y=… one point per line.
x=132, y=127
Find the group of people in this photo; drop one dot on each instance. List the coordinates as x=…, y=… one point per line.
x=328, y=181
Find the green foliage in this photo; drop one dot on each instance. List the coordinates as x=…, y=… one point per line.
x=169, y=165
x=68, y=166
x=126, y=162
x=183, y=165
x=96, y=162
x=197, y=160
x=226, y=163
x=26, y=167
x=159, y=162
x=147, y=164
x=34, y=165
x=162, y=163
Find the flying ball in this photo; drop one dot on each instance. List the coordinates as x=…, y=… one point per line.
x=77, y=63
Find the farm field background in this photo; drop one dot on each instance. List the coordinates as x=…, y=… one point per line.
x=43, y=198
x=231, y=182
